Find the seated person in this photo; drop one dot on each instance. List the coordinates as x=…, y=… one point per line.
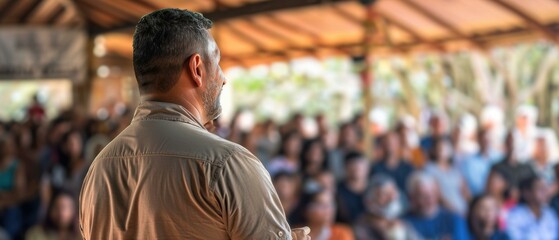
x=60, y=222
x=350, y=192
x=391, y=163
x=381, y=220
x=317, y=210
x=532, y=218
x=483, y=219
x=427, y=216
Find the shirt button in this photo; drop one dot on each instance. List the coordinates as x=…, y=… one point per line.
x=280, y=233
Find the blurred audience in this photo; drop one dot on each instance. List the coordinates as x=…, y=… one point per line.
x=416, y=184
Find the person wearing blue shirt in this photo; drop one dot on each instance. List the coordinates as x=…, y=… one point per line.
x=426, y=215
x=533, y=219
x=475, y=168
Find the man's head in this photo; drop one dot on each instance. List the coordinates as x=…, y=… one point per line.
x=382, y=197
x=534, y=191
x=356, y=167
x=175, y=56
x=424, y=194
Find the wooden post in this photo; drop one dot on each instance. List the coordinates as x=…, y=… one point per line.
x=367, y=76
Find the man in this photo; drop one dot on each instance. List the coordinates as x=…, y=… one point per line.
x=350, y=192
x=426, y=215
x=391, y=163
x=510, y=167
x=533, y=219
x=475, y=168
x=165, y=176
x=383, y=209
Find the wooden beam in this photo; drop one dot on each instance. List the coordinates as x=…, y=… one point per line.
x=264, y=7
x=438, y=20
x=532, y=22
x=30, y=10
x=261, y=7
x=43, y=12
x=7, y=7
x=245, y=37
x=55, y=15
x=292, y=27
x=15, y=11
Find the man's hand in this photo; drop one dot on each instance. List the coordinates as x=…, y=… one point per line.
x=301, y=233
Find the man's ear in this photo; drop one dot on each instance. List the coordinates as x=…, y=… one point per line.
x=195, y=68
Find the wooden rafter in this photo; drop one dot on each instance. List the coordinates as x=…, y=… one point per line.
x=30, y=10
x=293, y=27
x=244, y=37
x=261, y=7
x=438, y=20
x=414, y=34
x=532, y=23
x=43, y=12
x=98, y=13
x=6, y=8
x=56, y=14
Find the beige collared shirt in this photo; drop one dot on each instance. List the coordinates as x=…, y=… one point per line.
x=166, y=177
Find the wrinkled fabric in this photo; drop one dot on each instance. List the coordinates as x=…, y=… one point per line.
x=166, y=177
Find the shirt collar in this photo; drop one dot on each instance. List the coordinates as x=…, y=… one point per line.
x=165, y=111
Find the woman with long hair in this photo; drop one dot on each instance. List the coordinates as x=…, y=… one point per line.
x=60, y=222
x=483, y=219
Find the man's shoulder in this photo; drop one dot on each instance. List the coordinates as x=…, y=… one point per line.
x=170, y=139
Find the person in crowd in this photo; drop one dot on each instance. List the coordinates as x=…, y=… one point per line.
x=554, y=203
x=483, y=219
x=268, y=142
x=313, y=157
x=287, y=185
x=352, y=189
x=391, y=163
x=437, y=129
x=499, y=189
x=475, y=168
x=427, y=216
x=449, y=179
x=60, y=222
x=326, y=179
x=525, y=132
x=466, y=143
x=383, y=209
x=348, y=141
x=317, y=210
x=542, y=160
x=12, y=187
x=69, y=174
x=36, y=111
x=288, y=157
x=27, y=153
x=533, y=218
x=409, y=141
x=510, y=167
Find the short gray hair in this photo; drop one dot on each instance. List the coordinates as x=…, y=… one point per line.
x=163, y=41
x=419, y=178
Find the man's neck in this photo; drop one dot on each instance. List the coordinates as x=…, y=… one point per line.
x=197, y=112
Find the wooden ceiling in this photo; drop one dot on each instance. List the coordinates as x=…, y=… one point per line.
x=261, y=31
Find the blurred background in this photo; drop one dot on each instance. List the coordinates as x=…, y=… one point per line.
x=386, y=119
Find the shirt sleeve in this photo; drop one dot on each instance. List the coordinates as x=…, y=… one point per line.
x=249, y=203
